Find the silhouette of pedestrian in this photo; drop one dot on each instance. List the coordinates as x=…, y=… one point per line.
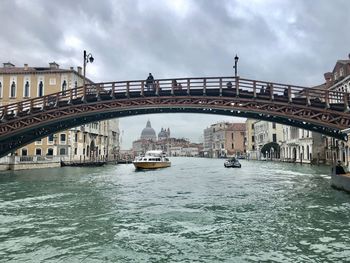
x=150, y=82
x=262, y=90
x=339, y=169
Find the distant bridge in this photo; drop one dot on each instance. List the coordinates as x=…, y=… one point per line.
x=317, y=110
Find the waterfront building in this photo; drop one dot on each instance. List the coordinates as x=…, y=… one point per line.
x=338, y=80
x=250, y=139
x=299, y=145
x=266, y=132
x=224, y=139
x=97, y=140
x=208, y=142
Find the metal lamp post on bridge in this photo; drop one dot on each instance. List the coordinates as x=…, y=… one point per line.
x=87, y=58
x=235, y=66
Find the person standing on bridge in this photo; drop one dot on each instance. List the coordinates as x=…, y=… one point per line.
x=150, y=82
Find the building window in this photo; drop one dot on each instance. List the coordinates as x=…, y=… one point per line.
x=50, y=152
x=24, y=152
x=76, y=137
x=64, y=87
x=274, y=137
x=52, y=81
x=75, y=151
x=84, y=138
x=50, y=138
x=62, y=151
x=26, y=89
x=63, y=138
x=38, y=151
x=38, y=142
x=13, y=90
x=273, y=125
x=40, y=89
x=253, y=138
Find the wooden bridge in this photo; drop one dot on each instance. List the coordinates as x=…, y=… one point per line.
x=317, y=110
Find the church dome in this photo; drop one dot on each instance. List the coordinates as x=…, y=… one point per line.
x=148, y=133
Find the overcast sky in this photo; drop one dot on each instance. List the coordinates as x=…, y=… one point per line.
x=290, y=41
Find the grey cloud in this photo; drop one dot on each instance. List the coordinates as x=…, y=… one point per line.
x=283, y=41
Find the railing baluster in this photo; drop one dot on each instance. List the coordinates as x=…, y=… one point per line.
x=172, y=87
x=127, y=89
x=70, y=96
x=188, y=86
x=31, y=106
x=204, y=86
x=157, y=88
x=142, y=89
x=307, y=92
x=57, y=104
x=271, y=92
x=346, y=101
x=113, y=91
x=254, y=89
x=98, y=91
x=289, y=94
x=327, y=98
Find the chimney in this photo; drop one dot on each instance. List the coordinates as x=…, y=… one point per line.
x=25, y=66
x=8, y=65
x=80, y=71
x=54, y=65
x=328, y=76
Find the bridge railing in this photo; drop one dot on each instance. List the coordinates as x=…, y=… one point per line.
x=212, y=86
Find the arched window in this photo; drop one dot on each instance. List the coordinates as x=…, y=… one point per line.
x=26, y=89
x=13, y=90
x=41, y=89
x=64, y=87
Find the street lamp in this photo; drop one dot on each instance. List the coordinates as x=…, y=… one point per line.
x=235, y=66
x=87, y=58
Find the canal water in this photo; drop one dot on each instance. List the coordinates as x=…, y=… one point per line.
x=194, y=211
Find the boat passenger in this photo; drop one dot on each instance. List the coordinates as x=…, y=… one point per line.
x=339, y=169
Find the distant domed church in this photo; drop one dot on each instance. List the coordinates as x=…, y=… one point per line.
x=164, y=134
x=148, y=133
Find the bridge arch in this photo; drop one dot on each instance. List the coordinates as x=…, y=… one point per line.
x=26, y=121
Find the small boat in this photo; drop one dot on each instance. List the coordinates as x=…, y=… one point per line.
x=232, y=163
x=152, y=160
x=340, y=181
x=83, y=164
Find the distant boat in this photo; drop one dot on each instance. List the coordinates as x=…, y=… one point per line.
x=152, y=160
x=83, y=164
x=232, y=163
